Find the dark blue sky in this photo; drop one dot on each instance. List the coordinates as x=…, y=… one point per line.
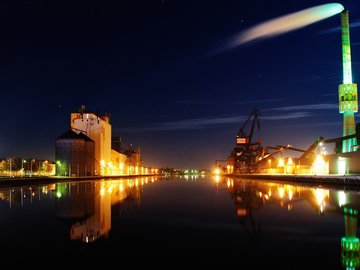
x=150, y=64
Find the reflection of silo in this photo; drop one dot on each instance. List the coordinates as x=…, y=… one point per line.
x=74, y=202
x=74, y=154
x=99, y=223
x=86, y=207
x=125, y=199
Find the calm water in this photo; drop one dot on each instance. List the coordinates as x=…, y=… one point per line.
x=252, y=222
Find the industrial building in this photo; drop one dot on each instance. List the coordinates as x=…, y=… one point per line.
x=86, y=149
x=249, y=156
x=75, y=154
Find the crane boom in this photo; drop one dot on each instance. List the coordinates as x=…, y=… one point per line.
x=242, y=137
x=246, y=152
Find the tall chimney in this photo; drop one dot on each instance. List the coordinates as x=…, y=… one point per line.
x=348, y=98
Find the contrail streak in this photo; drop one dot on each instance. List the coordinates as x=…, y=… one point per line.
x=287, y=23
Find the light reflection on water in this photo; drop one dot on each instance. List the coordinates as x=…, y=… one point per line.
x=254, y=195
x=222, y=215
x=86, y=206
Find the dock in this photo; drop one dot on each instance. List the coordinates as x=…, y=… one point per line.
x=337, y=181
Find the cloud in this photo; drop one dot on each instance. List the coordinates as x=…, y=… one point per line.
x=259, y=101
x=206, y=123
x=272, y=114
x=311, y=124
x=323, y=106
x=199, y=102
x=330, y=30
x=192, y=101
x=330, y=94
x=337, y=29
x=293, y=115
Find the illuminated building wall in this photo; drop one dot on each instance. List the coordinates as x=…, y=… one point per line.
x=97, y=128
x=348, y=98
x=118, y=161
x=133, y=162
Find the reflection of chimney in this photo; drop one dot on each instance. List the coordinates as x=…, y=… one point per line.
x=350, y=225
x=350, y=245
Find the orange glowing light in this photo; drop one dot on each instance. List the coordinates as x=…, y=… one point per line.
x=281, y=163
x=217, y=171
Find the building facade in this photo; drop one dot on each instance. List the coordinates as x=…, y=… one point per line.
x=87, y=149
x=98, y=129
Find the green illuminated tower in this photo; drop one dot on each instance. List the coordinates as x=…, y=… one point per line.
x=348, y=99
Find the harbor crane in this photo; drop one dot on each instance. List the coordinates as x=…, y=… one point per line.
x=247, y=150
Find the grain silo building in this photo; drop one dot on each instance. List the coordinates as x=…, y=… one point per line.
x=74, y=154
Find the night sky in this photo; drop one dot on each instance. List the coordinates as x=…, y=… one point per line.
x=153, y=66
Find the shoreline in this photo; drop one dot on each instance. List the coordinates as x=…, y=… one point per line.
x=332, y=181
x=346, y=182
x=10, y=182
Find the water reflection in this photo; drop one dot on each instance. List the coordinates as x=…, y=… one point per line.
x=86, y=207
x=350, y=242
x=251, y=197
x=260, y=220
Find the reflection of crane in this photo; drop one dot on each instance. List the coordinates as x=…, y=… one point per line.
x=247, y=151
x=250, y=198
x=247, y=204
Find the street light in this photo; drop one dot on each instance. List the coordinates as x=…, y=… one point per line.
x=59, y=163
x=10, y=169
x=44, y=167
x=22, y=166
